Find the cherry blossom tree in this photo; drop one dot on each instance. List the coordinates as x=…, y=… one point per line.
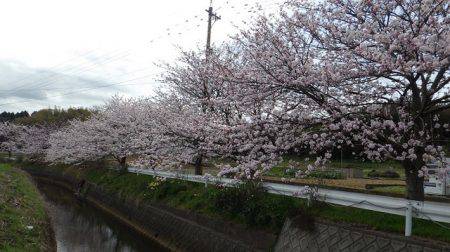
x=30, y=135
x=32, y=140
x=371, y=75
x=193, y=107
x=120, y=129
x=231, y=119
x=183, y=134
x=35, y=141
x=11, y=136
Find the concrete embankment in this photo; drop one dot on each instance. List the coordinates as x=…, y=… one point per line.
x=340, y=237
x=175, y=229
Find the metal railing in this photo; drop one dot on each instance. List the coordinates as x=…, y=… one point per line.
x=429, y=210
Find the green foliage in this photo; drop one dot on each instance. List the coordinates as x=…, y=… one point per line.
x=169, y=188
x=251, y=203
x=399, y=190
x=11, y=116
x=241, y=200
x=383, y=174
x=303, y=218
x=326, y=174
x=55, y=117
x=283, y=169
x=290, y=172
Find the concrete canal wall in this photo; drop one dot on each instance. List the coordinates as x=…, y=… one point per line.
x=175, y=229
x=335, y=237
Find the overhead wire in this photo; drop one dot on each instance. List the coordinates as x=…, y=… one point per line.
x=114, y=77
x=176, y=25
x=83, y=90
x=87, y=89
x=76, y=70
x=54, y=66
x=65, y=62
x=79, y=69
x=90, y=52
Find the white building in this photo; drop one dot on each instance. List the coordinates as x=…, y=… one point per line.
x=437, y=181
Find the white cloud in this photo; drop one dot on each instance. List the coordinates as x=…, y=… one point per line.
x=56, y=47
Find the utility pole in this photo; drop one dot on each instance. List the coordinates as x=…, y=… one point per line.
x=211, y=17
x=198, y=159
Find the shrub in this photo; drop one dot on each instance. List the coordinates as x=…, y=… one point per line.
x=168, y=188
x=290, y=172
x=241, y=200
x=390, y=174
x=385, y=174
x=333, y=174
x=374, y=174
x=251, y=203
x=302, y=218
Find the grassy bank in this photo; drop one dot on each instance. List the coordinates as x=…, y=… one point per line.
x=24, y=225
x=254, y=208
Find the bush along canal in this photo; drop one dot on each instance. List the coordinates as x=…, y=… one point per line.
x=186, y=216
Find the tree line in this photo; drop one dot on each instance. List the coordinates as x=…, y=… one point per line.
x=55, y=116
x=11, y=116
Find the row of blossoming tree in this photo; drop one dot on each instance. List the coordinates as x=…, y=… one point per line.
x=366, y=75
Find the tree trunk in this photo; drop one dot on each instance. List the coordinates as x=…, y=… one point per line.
x=9, y=154
x=414, y=183
x=123, y=164
x=198, y=165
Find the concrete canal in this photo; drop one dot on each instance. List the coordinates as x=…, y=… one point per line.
x=78, y=226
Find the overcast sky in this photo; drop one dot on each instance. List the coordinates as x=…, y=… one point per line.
x=80, y=52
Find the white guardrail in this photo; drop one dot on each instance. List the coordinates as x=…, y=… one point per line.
x=430, y=210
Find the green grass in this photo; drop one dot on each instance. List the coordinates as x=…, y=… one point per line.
x=366, y=166
x=267, y=212
x=23, y=220
x=390, y=189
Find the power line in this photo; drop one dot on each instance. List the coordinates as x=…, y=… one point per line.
x=49, y=80
x=55, y=66
x=114, y=77
x=52, y=79
x=83, y=90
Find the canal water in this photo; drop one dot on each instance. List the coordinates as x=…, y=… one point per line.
x=81, y=227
